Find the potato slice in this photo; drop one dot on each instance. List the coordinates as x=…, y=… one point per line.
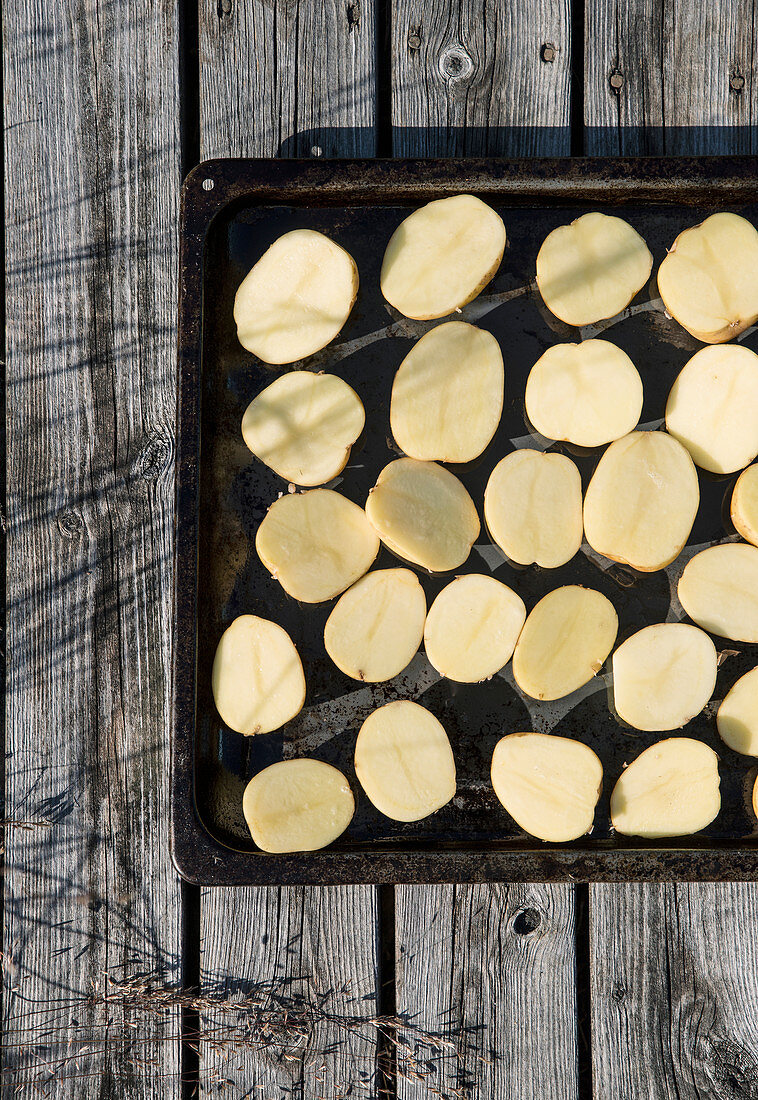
x=404, y=762
x=376, y=627
x=564, y=643
x=533, y=507
x=744, y=507
x=423, y=513
x=709, y=279
x=587, y=394
x=737, y=717
x=303, y=426
x=441, y=256
x=316, y=544
x=549, y=785
x=719, y=590
x=472, y=627
x=592, y=268
x=447, y=396
x=296, y=298
x=641, y=503
x=297, y=806
x=671, y=789
x=663, y=676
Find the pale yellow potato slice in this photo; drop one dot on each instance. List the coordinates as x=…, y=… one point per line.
x=533, y=507
x=297, y=297
x=441, y=256
x=447, y=396
x=588, y=394
x=564, y=643
x=663, y=676
x=709, y=279
x=404, y=762
x=641, y=503
x=472, y=628
x=316, y=544
x=744, y=506
x=303, y=426
x=297, y=806
x=549, y=785
x=719, y=590
x=592, y=268
x=424, y=514
x=376, y=627
x=737, y=717
x=671, y=789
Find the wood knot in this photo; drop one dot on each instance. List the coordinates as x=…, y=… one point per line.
x=154, y=457
x=526, y=921
x=414, y=38
x=616, y=80
x=736, y=81
x=223, y=8
x=618, y=993
x=70, y=524
x=548, y=52
x=353, y=12
x=455, y=63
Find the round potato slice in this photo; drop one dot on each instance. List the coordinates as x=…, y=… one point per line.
x=296, y=298
x=671, y=789
x=592, y=268
x=588, y=394
x=744, y=507
x=441, y=256
x=564, y=643
x=423, y=513
x=641, y=503
x=549, y=785
x=719, y=590
x=472, y=628
x=533, y=508
x=297, y=806
x=404, y=762
x=316, y=544
x=737, y=717
x=447, y=396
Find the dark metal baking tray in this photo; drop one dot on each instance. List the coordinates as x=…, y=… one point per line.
x=231, y=211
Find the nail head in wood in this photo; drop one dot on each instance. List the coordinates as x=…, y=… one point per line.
x=736, y=82
x=616, y=80
x=548, y=52
x=414, y=38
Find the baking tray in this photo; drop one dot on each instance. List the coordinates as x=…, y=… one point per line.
x=231, y=211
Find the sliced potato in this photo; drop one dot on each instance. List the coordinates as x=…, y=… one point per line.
x=671, y=789
x=592, y=268
x=296, y=298
x=744, y=507
x=737, y=717
x=564, y=643
x=533, y=507
x=316, y=544
x=549, y=785
x=472, y=627
x=447, y=396
x=587, y=394
x=441, y=256
x=423, y=513
x=641, y=503
x=297, y=806
x=719, y=590
x=404, y=762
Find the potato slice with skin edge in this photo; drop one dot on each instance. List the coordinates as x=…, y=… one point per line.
x=441, y=256
x=316, y=544
x=565, y=641
x=744, y=506
x=718, y=589
x=297, y=806
x=642, y=500
x=447, y=396
x=671, y=789
x=472, y=628
x=737, y=718
x=376, y=627
x=549, y=785
x=404, y=762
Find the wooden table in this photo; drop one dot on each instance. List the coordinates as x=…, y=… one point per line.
x=502, y=992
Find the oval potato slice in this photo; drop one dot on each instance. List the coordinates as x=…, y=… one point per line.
x=671, y=789
x=744, y=506
x=472, y=628
x=297, y=806
x=719, y=590
x=737, y=717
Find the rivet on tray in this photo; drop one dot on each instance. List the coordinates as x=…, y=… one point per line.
x=208, y=185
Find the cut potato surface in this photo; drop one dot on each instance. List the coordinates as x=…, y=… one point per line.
x=447, y=396
x=376, y=627
x=744, y=507
x=404, y=762
x=441, y=256
x=709, y=279
x=641, y=503
x=592, y=268
x=316, y=544
x=564, y=643
x=296, y=298
x=472, y=628
x=737, y=717
x=423, y=513
x=297, y=806
x=588, y=394
x=671, y=789
x=549, y=785
x=719, y=591
x=533, y=507
x=663, y=676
